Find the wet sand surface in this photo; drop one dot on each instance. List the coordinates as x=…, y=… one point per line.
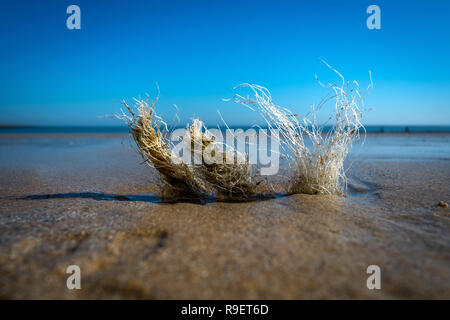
x=88, y=201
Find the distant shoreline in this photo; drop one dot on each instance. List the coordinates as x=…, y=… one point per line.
x=7, y=125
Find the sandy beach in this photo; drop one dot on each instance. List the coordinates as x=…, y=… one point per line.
x=88, y=200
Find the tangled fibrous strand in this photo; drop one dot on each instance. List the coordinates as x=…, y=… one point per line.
x=223, y=167
x=213, y=174
x=150, y=133
x=318, y=169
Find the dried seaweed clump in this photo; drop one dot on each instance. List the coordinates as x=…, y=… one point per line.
x=224, y=172
x=227, y=170
x=317, y=168
x=151, y=136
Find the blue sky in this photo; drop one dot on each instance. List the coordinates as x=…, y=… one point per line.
x=198, y=50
